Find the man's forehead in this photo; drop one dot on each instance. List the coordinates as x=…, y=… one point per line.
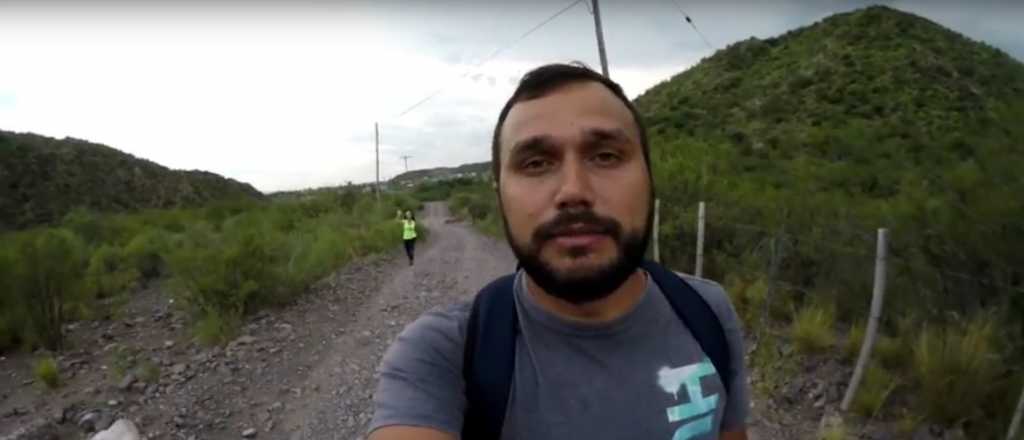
x=574, y=108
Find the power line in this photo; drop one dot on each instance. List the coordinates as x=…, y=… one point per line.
x=493, y=55
x=692, y=24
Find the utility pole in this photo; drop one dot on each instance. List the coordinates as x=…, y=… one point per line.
x=376, y=148
x=600, y=39
x=406, y=159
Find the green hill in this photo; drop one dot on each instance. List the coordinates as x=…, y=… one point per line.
x=440, y=173
x=873, y=118
x=43, y=178
x=803, y=144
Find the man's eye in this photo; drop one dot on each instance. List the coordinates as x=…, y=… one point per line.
x=536, y=164
x=606, y=158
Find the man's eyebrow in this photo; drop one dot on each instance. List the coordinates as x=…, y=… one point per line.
x=534, y=144
x=596, y=134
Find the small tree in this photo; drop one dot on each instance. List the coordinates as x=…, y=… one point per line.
x=50, y=274
x=10, y=323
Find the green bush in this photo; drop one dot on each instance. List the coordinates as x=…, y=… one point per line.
x=460, y=201
x=479, y=203
x=956, y=368
x=224, y=261
x=46, y=372
x=217, y=328
x=144, y=253
x=812, y=329
x=109, y=273
x=749, y=298
x=11, y=310
x=226, y=274
x=266, y=256
x=854, y=341
x=873, y=391
x=405, y=202
x=49, y=278
x=88, y=225
x=893, y=352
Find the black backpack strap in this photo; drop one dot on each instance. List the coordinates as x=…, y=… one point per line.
x=489, y=359
x=697, y=315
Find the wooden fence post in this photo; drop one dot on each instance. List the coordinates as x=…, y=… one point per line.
x=1011, y=434
x=699, y=270
x=877, y=298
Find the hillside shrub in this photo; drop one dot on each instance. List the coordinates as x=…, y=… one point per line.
x=11, y=313
x=854, y=341
x=893, y=353
x=144, y=253
x=956, y=368
x=812, y=329
x=109, y=272
x=49, y=277
x=266, y=256
x=873, y=392
x=223, y=275
x=46, y=372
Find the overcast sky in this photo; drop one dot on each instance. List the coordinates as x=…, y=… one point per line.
x=284, y=95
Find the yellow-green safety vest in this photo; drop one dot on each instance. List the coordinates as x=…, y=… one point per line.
x=408, y=229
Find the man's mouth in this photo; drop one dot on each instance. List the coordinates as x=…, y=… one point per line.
x=579, y=235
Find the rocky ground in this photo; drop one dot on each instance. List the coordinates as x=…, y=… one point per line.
x=306, y=371
x=303, y=372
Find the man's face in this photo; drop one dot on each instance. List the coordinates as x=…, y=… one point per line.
x=574, y=191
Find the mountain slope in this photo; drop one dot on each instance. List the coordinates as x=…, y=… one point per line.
x=802, y=145
x=43, y=178
x=865, y=119
x=416, y=176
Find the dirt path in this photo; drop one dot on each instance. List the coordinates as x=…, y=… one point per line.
x=452, y=266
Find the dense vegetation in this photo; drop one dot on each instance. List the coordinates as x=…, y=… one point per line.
x=42, y=179
x=220, y=261
x=803, y=144
x=471, y=199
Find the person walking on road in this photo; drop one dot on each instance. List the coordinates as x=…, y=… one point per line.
x=409, y=235
x=586, y=340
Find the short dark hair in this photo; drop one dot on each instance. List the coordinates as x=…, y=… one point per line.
x=547, y=78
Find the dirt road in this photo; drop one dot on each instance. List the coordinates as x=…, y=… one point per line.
x=452, y=265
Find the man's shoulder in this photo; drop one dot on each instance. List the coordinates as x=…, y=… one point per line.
x=447, y=323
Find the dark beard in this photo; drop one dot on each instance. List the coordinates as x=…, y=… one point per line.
x=590, y=285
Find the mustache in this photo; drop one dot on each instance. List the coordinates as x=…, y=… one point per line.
x=585, y=221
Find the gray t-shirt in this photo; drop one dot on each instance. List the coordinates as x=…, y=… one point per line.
x=641, y=376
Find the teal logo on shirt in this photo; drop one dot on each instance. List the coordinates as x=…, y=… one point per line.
x=699, y=411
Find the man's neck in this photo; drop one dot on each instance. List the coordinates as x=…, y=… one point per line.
x=609, y=308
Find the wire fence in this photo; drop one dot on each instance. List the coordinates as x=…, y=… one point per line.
x=829, y=263
x=847, y=270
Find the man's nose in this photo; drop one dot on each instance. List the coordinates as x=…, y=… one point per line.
x=575, y=190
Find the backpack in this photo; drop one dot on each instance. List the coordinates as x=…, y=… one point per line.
x=489, y=356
